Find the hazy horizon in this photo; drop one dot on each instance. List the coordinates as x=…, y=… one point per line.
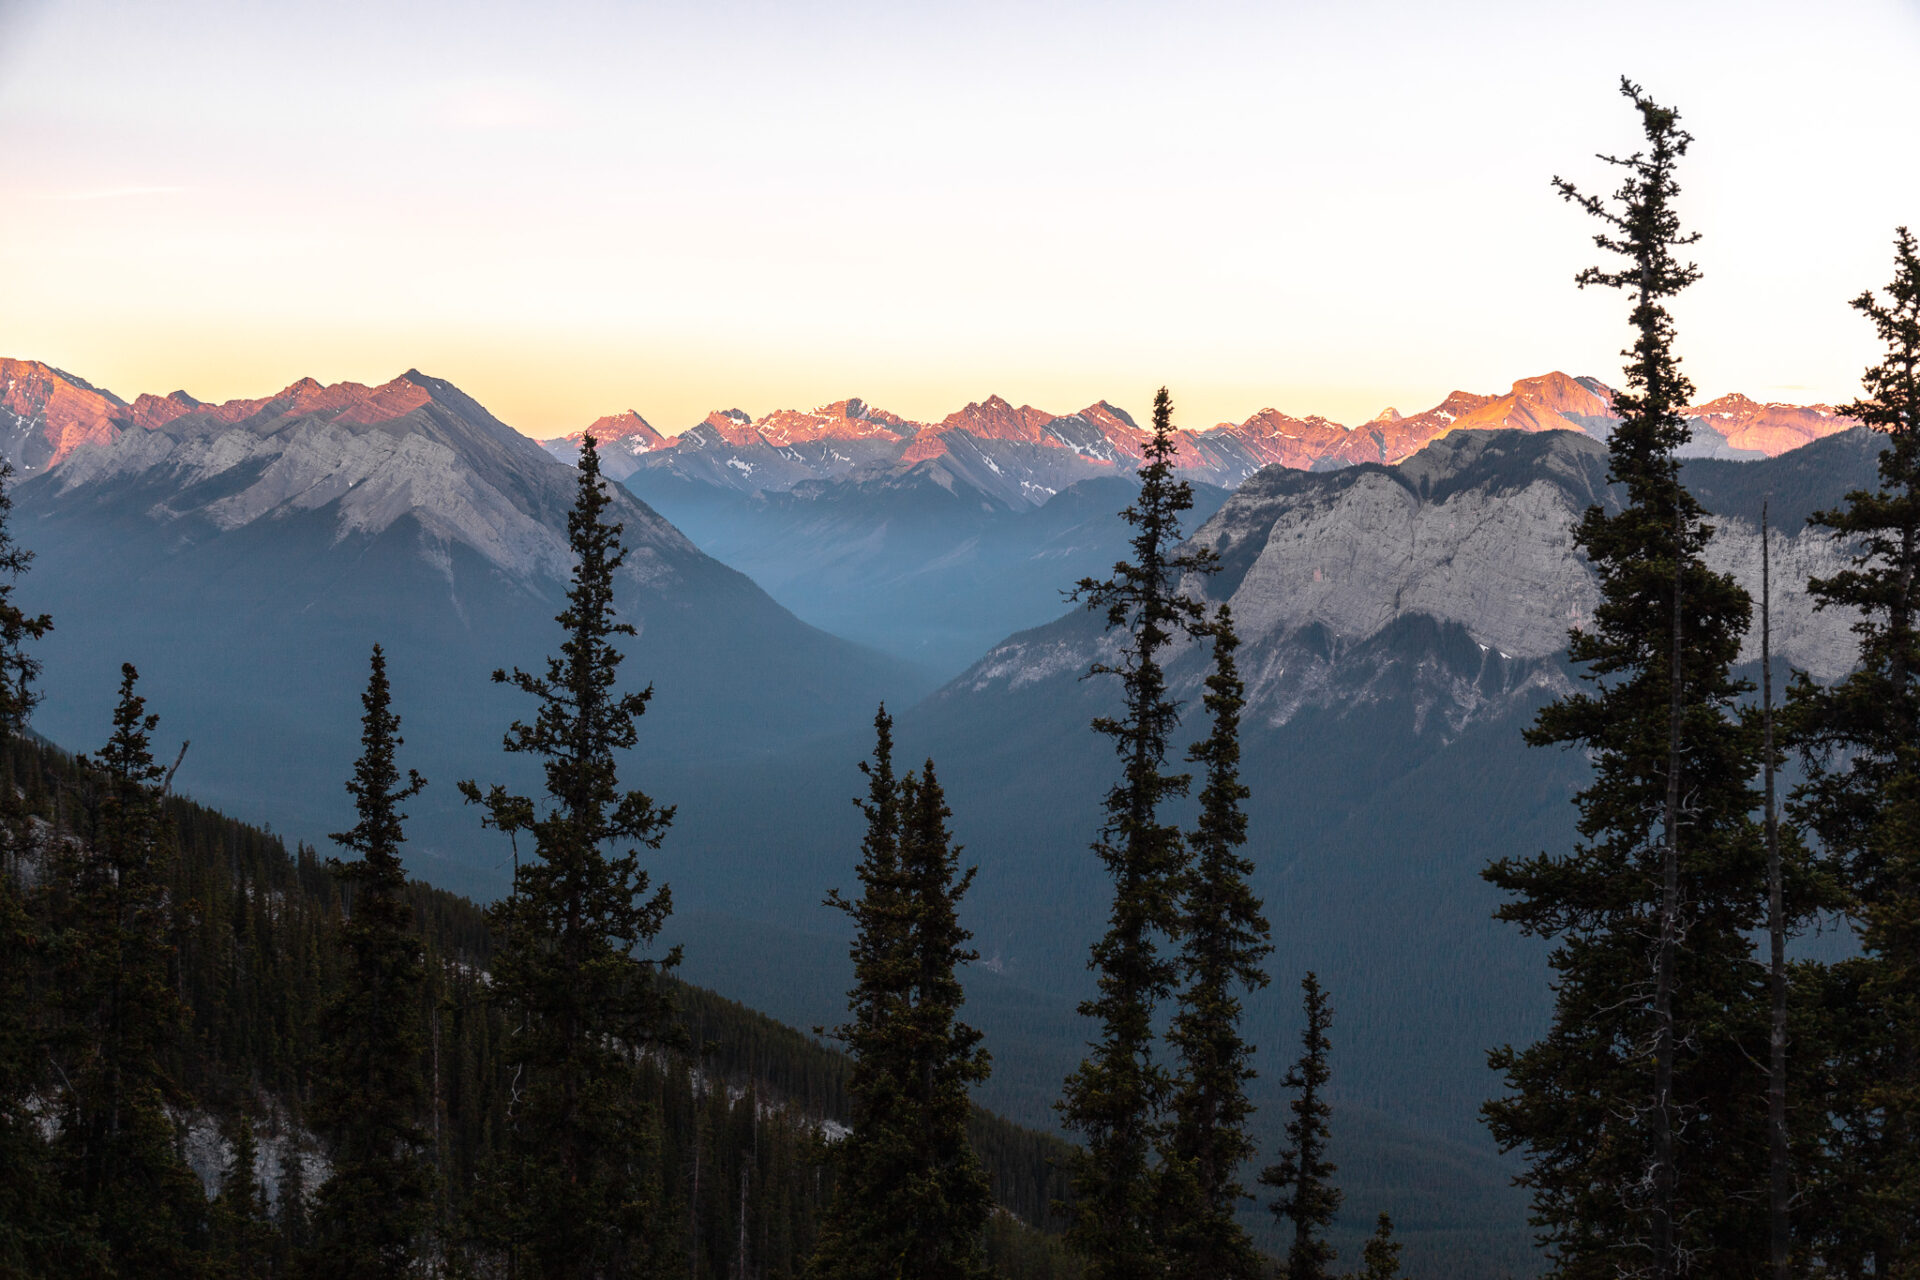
x=574, y=211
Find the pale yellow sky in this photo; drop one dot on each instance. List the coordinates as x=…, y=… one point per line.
x=574, y=209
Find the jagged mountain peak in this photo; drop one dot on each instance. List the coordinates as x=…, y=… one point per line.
x=849, y=419
x=47, y=413
x=1566, y=392
x=1101, y=411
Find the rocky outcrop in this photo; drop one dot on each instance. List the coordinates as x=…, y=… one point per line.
x=45, y=414
x=1338, y=579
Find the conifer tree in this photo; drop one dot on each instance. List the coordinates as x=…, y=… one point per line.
x=945, y=1189
x=1861, y=742
x=1380, y=1255
x=1640, y=1110
x=292, y=1210
x=370, y=1216
x=1113, y=1098
x=911, y=1197
x=1303, y=1174
x=244, y=1238
x=1223, y=946
x=866, y=1228
x=118, y=1149
x=32, y=1221
x=578, y=1196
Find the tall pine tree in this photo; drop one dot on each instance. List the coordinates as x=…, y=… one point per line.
x=123, y=1017
x=370, y=1217
x=575, y=1191
x=866, y=1228
x=1861, y=741
x=1303, y=1174
x=1223, y=946
x=1641, y=1110
x=1114, y=1097
x=35, y=1230
x=945, y=1189
x=245, y=1242
x=912, y=1197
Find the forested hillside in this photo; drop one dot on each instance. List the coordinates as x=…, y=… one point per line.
x=747, y=1109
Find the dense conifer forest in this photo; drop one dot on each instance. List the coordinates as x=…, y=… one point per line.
x=744, y=1108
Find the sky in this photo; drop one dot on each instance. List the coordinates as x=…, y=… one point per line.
x=573, y=209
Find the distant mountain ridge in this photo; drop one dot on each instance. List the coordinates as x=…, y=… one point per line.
x=1021, y=456
x=245, y=556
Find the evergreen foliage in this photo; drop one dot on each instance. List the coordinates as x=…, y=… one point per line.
x=1223, y=944
x=570, y=1194
x=33, y=1220
x=868, y=1226
x=370, y=1217
x=1641, y=1110
x=1114, y=1097
x=244, y=1238
x=258, y=962
x=911, y=1195
x=1860, y=738
x=122, y=1017
x=1303, y=1174
x=945, y=1186
x=1380, y=1255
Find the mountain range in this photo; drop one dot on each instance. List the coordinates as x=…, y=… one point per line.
x=1021, y=457
x=1403, y=619
x=933, y=541
x=245, y=557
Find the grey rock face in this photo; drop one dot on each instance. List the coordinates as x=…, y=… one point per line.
x=1353, y=560
x=1475, y=532
x=488, y=490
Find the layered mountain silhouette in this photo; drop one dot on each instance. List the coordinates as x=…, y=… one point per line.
x=245, y=556
x=1404, y=588
x=1402, y=626
x=932, y=542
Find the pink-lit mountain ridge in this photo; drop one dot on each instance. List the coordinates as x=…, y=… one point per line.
x=1022, y=456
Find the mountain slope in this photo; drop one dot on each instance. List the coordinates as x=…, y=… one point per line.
x=1402, y=625
x=253, y=933
x=246, y=556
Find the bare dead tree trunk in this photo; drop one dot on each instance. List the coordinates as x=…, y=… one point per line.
x=1779, y=1188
